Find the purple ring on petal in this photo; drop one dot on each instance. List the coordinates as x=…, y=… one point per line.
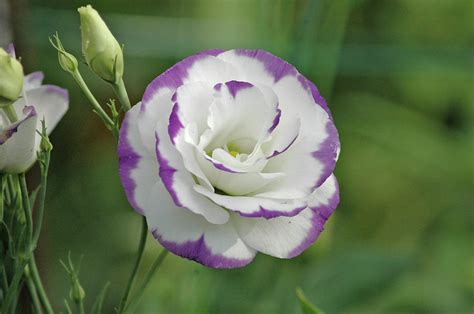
x=198, y=251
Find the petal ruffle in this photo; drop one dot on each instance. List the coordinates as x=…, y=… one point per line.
x=286, y=237
x=191, y=236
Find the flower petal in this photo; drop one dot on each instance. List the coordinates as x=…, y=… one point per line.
x=191, y=236
x=138, y=168
x=287, y=237
x=17, y=143
x=33, y=80
x=176, y=178
x=251, y=206
x=50, y=102
x=317, y=145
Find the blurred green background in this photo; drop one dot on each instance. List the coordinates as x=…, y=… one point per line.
x=398, y=76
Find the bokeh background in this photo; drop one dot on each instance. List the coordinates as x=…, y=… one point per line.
x=398, y=76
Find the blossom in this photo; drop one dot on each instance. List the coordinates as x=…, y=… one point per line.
x=100, y=48
x=231, y=153
x=19, y=140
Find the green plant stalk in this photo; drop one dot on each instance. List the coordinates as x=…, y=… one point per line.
x=121, y=92
x=15, y=282
x=42, y=199
x=39, y=285
x=33, y=293
x=80, y=307
x=10, y=112
x=95, y=104
x=156, y=265
x=27, y=209
x=133, y=276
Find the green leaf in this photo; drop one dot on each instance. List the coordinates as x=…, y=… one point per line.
x=306, y=306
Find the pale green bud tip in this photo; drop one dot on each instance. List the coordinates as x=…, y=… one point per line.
x=67, y=61
x=11, y=77
x=77, y=293
x=101, y=50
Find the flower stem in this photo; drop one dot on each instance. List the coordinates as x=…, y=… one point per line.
x=40, y=209
x=121, y=92
x=27, y=209
x=95, y=104
x=133, y=276
x=33, y=292
x=156, y=265
x=39, y=285
x=11, y=113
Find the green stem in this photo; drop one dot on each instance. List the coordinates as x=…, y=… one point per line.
x=4, y=280
x=80, y=307
x=33, y=292
x=121, y=92
x=95, y=104
x=39, y=285
x=12, y=290
x=156, y=265
x=40, y=209
x=11, y=113
x=133, y=276
x=26, y=209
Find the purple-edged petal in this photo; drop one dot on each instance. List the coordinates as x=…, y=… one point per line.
x=191, y=236
x=287, y=237
x=251, y=206
x=201, y=67
x=50, y=102
x=240, y=111
x=138, y=168
x=176, y=178
x=17, y=143
x=33, y=80
x=311, y=158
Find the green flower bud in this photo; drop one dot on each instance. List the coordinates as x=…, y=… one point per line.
x=100, y=48
x=77, y=293
x=66, y=60
x=11, y=78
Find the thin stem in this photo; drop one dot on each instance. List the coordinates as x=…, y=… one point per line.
x=39, y=285
x=133, y=276
x=80, y=307
x=40, y=209
x=26, y=209
x=33, y=292
x=156, y=265
x=10, y=112
x=95, y=104
x=12, y=290
x=4, y=278
x=121, y=92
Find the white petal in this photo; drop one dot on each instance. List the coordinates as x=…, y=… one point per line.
x=17, y=144
x=32, y=81
x=286, y=237
x=138, y=168
x=251, y=206
x=191, y=236
x=50, y=102
x=155, y=114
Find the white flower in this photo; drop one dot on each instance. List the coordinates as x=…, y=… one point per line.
x=230, y=153
x=19, y=141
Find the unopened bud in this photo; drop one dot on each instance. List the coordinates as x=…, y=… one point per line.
x=11, y=78
x=101, y=50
